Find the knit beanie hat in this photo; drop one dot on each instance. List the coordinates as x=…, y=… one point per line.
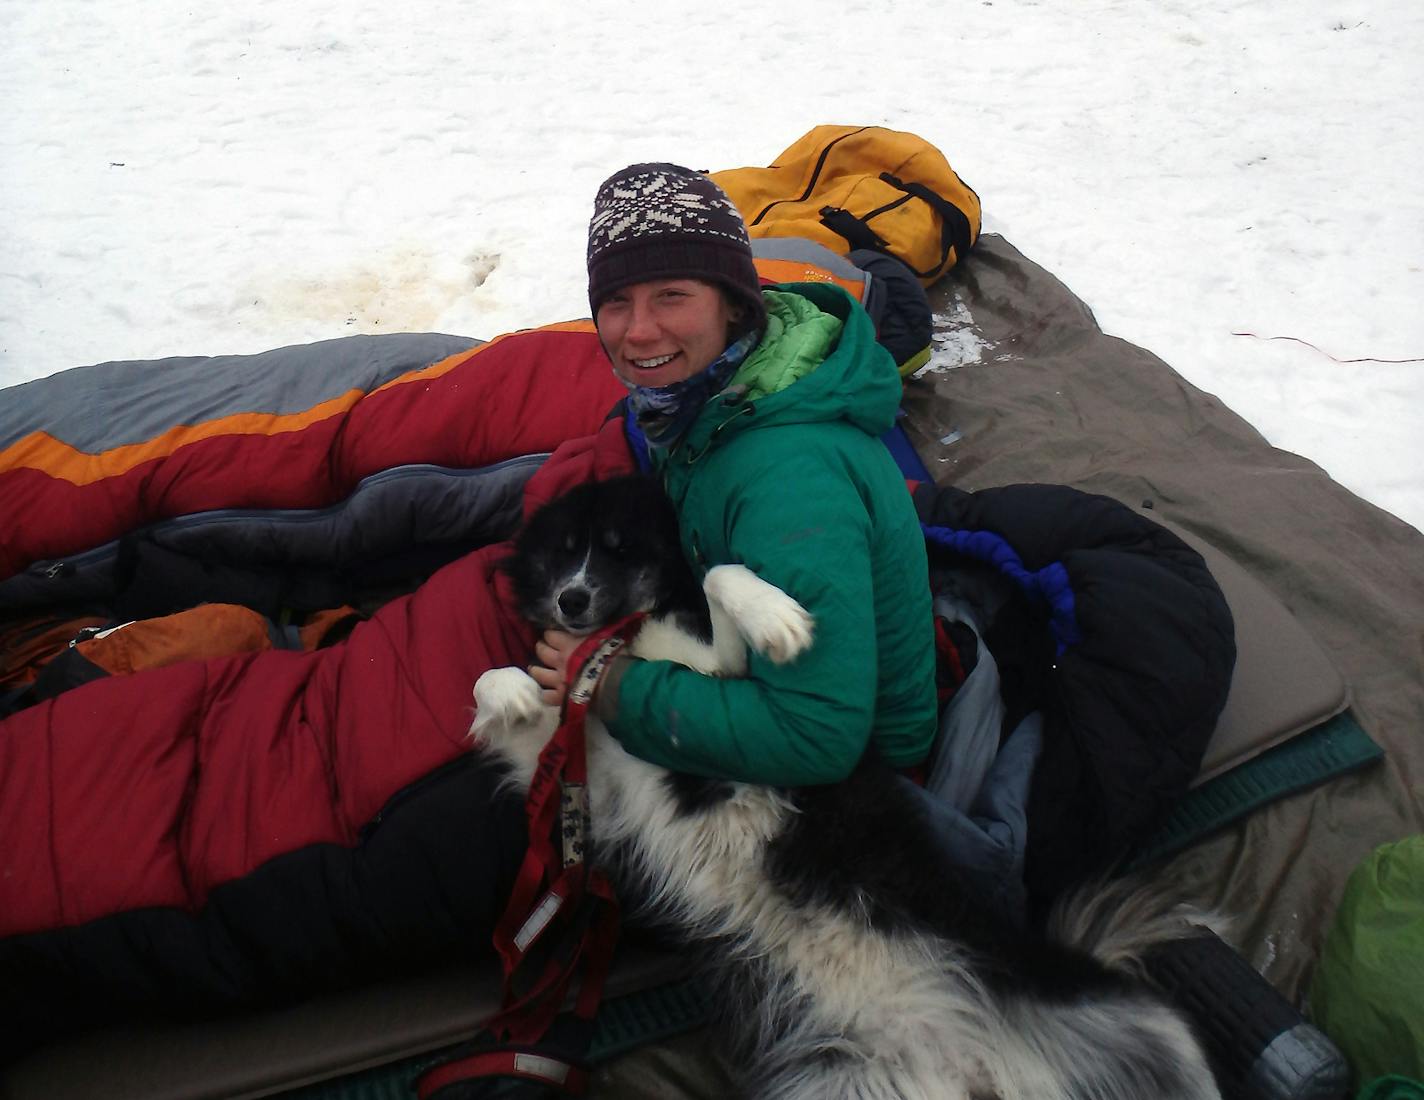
x=663, y=221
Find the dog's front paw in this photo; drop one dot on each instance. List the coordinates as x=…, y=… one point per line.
x=506, y=700
x=773, y=624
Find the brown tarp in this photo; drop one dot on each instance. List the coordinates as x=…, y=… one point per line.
x=1054, y=399
x=1047, y=398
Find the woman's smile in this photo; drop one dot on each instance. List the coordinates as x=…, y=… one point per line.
x=646, y=371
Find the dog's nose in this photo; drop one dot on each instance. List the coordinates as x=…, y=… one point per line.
x=573, y=601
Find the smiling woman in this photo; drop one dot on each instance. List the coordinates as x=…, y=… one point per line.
x=759, y=410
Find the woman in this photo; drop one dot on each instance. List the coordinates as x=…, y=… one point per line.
x=761, y=412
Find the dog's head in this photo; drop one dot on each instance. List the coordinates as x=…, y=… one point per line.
x=600, y=552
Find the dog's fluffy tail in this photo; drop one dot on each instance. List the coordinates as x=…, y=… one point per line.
x=1111, y=1040
x=1119, y=922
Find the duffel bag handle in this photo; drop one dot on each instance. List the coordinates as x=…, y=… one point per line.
x=957, y=232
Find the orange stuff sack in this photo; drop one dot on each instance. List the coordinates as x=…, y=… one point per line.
x=205, y=632
x=862, y=187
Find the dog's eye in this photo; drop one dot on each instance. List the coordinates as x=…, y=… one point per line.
x=570, y=542
x=613, y=543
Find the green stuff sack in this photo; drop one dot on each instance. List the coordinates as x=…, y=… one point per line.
x=1368, y=993
x=862, y=187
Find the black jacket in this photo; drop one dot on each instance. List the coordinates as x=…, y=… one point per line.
x=1116, y=630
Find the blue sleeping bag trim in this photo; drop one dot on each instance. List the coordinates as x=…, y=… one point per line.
x=1050, y=585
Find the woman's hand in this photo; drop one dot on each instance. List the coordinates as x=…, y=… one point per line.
x=553, y=651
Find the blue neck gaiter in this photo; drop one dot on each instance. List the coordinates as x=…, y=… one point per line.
x=665, y=412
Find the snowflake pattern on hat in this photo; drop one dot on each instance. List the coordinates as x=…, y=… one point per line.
x=656, y=200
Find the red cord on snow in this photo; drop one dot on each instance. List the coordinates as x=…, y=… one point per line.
x=1327, y=355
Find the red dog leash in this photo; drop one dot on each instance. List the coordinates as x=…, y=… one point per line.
x=554, y=892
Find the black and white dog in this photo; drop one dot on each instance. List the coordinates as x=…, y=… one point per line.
x=852, y=962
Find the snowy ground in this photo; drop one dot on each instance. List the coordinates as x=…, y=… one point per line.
x=179, y=179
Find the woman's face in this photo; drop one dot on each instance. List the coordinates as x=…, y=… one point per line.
x=665, y=330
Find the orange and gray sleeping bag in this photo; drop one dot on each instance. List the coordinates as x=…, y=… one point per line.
x=227, y=830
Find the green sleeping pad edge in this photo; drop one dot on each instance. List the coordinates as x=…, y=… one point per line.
x=1333, y=748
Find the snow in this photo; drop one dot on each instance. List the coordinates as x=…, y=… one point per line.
x=179, y=180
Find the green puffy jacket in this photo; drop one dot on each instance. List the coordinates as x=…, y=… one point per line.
x=796, y=485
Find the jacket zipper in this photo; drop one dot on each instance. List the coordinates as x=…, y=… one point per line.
x=815, y=174
x=692, y=455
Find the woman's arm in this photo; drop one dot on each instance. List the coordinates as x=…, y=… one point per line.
x=806, y=530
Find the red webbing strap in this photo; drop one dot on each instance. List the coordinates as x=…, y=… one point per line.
x=551, y=876
x=554, y=888
x=588, y=911
x=529, y=1065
